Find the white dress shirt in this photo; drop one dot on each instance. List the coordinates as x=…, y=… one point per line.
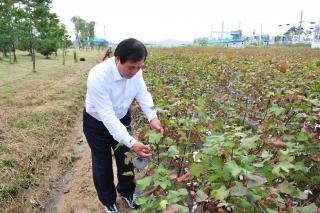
x=109, y=97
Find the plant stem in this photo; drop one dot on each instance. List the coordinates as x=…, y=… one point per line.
x=185, y=150
x=245, y=113
x=265, y=114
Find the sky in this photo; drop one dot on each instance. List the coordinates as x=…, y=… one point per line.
x=185, y=20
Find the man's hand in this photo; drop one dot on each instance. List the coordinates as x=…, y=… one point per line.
x=141, y=149
x=155, y=125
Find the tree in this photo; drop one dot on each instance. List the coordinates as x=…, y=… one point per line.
x=203, y=41
x=42, y=30
x=79, y=28
x=90, y=29
x=293, y=31
x=65, y=42
x=35, y=10
x=5, y=28
x=307, y=33
x=277, y=38
x=9, y=30
x=51, y=34
x=29, y=25
x=84, y=31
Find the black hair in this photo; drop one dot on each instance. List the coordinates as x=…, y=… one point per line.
x=131, y=49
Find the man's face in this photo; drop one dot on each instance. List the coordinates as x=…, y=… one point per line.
x=129, y=68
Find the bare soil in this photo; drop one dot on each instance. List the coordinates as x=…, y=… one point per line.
x=73, y=190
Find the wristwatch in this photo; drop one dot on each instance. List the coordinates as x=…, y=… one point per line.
x=132, y=141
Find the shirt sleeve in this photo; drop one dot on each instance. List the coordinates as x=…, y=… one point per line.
x=144, y=99
x=100, y=98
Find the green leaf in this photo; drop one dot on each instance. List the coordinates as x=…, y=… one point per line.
x=272, y=211
x=299, y=166
x=143, y=183
x=241, y=203
x=196, y=169
x=287, y=188
x=232, y=168
x=214, y=176
x=180, y=208
x=284, y=165
x=267, y=172
x=161, y=177
x=265, y=154
x=154, y=137
x=255, y=180
x=176, y=196
x=253, y=196
x=249, y=143
x=172, y=151
x=238, y=190
x=201, y=196
x=162, y=183
x=182, y=192
x=277, y=110
x=312, y=208
x=142, y=200
x=220, y=193
x=163, y=204
x=302, y=136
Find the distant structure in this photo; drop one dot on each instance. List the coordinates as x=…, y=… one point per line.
x=299, y=25
x=316, y=42
x=93, y=43
x=233, y=37
x=98, y=42
x=317, y=32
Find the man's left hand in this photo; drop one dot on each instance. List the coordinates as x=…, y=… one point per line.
x=155, y=125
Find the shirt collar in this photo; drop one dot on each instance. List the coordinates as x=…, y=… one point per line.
x=115, y=71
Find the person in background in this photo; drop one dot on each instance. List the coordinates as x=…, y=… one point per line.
x=111, y=87
x=107, y=54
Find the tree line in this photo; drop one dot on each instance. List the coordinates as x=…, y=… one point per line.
x=29, y=25
x=84, y=32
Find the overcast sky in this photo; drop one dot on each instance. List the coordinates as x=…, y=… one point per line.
x=156, y=20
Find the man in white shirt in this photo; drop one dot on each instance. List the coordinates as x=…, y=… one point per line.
x=112, y=86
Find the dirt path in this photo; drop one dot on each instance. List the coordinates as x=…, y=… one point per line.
x=74, y=192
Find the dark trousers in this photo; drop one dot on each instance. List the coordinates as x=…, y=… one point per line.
x=101, y=142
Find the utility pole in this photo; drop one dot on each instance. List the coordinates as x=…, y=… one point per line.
x=261, y=34
x=222, y=30
x=300, y=25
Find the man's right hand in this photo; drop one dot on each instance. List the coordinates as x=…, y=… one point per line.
x=141, y=149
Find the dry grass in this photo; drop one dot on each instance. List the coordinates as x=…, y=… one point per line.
x=37, y=112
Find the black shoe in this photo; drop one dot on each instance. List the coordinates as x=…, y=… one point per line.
x=111, y=209
x=130, y=200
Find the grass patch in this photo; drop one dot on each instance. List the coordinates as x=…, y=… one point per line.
x=6, y=163
x=21, y=180
x=36, y=119
x=21, y=124
x=69, y=93
x=43, y=117
x=40, y=110
x=3, y=148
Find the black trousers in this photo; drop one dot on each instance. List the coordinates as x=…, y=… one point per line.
x=101, y=143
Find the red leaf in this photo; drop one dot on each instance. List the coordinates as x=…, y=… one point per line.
x=278, y=143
